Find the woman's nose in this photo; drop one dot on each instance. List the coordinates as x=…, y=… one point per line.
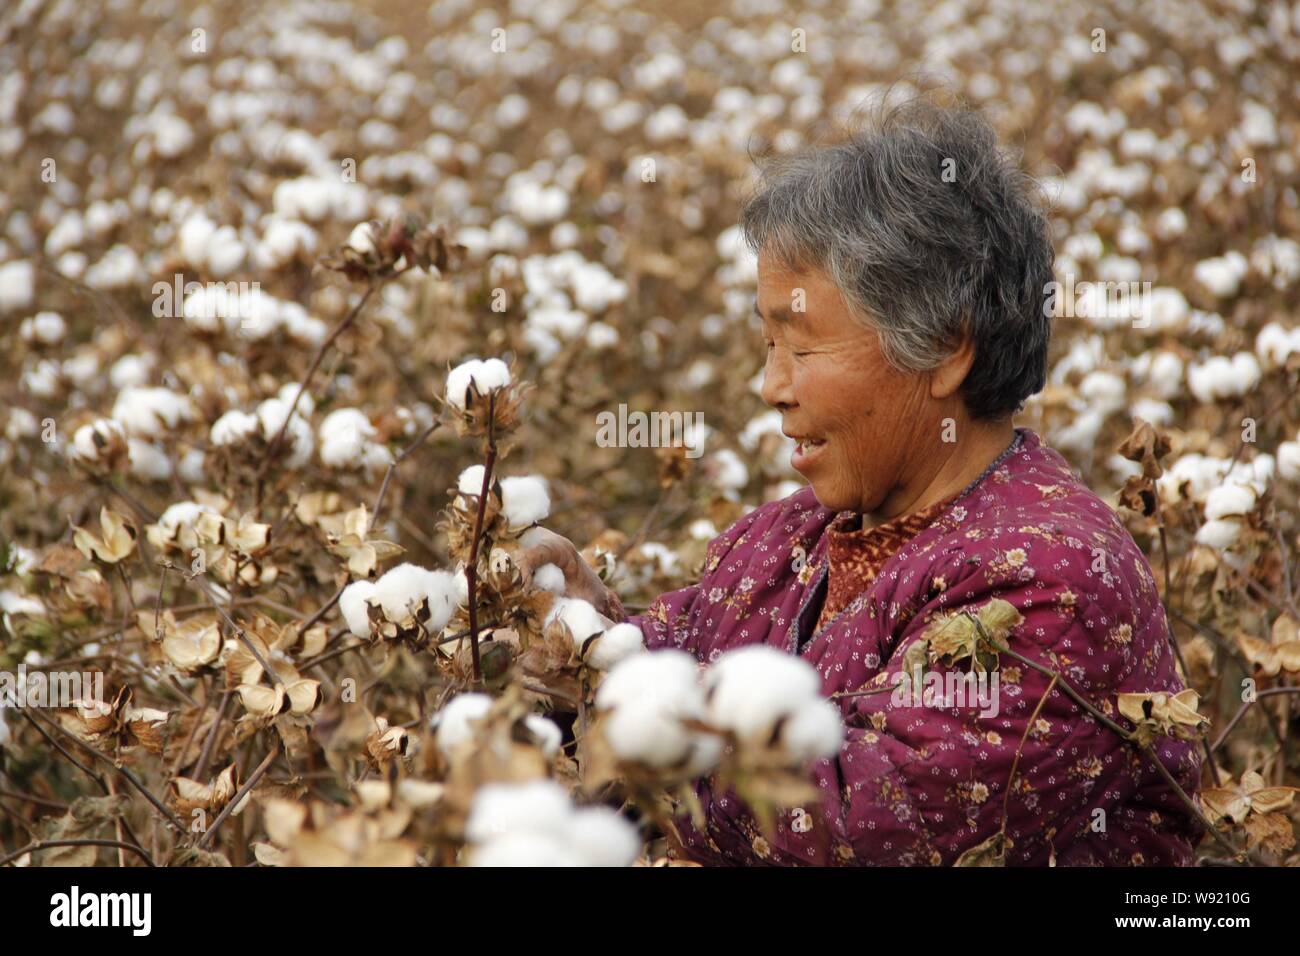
x=777, y=388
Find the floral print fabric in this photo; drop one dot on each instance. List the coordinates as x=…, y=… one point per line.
x=919, y=785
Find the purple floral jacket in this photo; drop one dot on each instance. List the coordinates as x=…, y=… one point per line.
x=919, y=785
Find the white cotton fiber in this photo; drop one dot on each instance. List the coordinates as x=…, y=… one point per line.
x=148, y=461
x=233, y=428
x=524, y=500
x=537, y=806
x=455, y=723
x=602, y=837
x=618, y=643
x=548, y=577
x=581, y=618
x=667, y=676
x=352, y=603
x=546, y=732
x=813, y=732
x=486, y=375
x=524, y=849
x=148, y=412
x=84, y=444
x=470, y=481
x=751, y=688
x=1219, y=534
x=1229, y=500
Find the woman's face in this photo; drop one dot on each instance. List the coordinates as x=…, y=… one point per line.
x=863, y=423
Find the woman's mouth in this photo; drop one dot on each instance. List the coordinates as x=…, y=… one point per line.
x=806, y=452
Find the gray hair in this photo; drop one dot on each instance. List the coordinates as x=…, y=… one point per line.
x=931, y=231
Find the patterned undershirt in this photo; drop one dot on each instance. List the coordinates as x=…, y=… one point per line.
x=855, y=555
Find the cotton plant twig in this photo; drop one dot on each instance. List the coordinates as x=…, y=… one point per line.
x=1241, y=711
x=206, y=754
x=308, y=624
x=392, y=467
x=1125, y=735
x=130, y=778
x=274, y=445
x=262, y=768
x=1015, y=761
x=47, y=844
x=1173, y=640
x=240, y=635
x=471, y=566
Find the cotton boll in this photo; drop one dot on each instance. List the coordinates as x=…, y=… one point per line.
x=667, y=675
x=750, y=689
x=88, y=439
x=17, y=285
x=1229, y=501
x=1221, y=275
x=148, y=461
x=1166, y=374
x=500, y=809
x=1245, y=371
x=148, y=412
x=190, y=468
x=729, y=472
x=1211, y=380
x=485, y=376
x=546, y=732
x=233, y=428
x=44, y=328
x=352, y=604
x=444, y=594
x=375, y=457
x=343, y=437
x=401, y=590
x=362, y=238
x=601, y=836
x=582, y=620
x=814, y=732
x=1103, y=390
x=130, y=370
x=1288, y=460
x=271, y=414
x=649, y=734
x=470, y=481
x=289, y=391
x=455, y=723
x=1157, y=413
x=548, y=577
x=1219, y=534
x=524, y=500
x=525, y=850
x=616, y=644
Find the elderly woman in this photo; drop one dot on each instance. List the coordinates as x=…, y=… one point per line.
x=902, y=287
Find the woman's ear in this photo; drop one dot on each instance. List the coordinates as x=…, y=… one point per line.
x=947, y=376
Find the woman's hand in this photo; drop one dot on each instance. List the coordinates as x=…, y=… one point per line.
x=580, y=581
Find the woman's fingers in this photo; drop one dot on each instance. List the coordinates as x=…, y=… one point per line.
x=580, y=580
